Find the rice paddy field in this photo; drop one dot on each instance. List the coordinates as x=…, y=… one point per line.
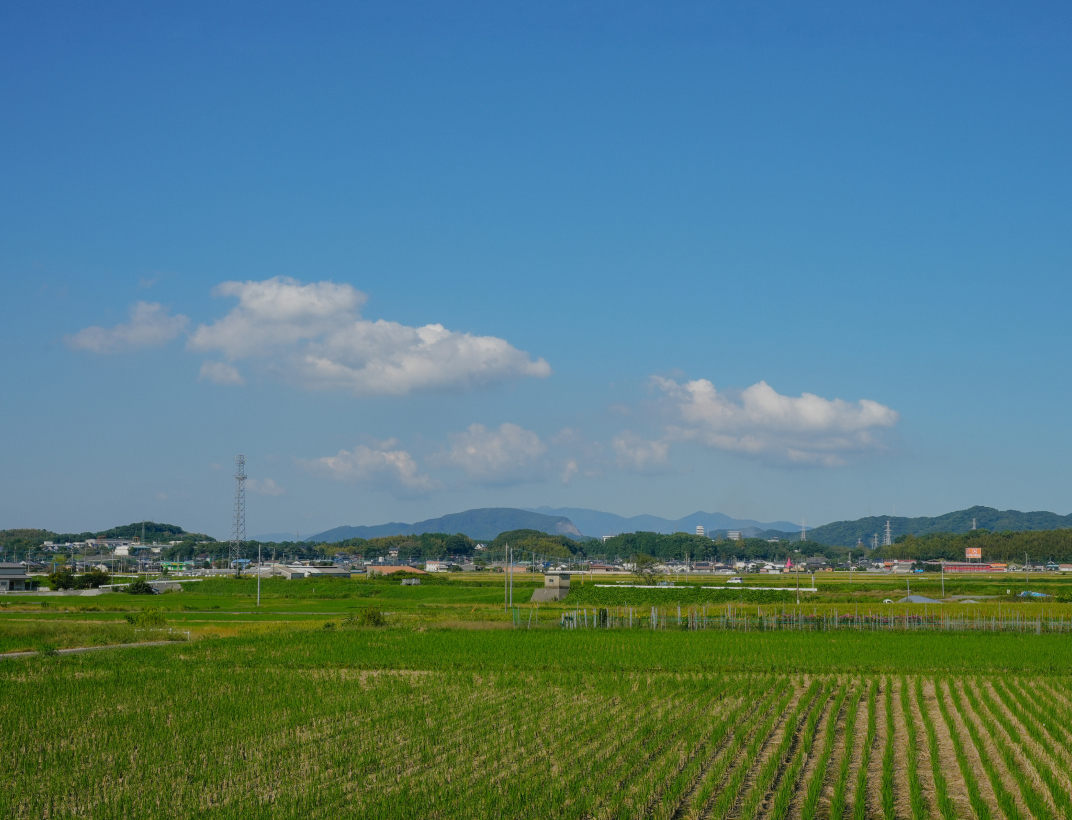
x=456, y=708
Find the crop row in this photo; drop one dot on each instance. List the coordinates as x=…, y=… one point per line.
x=186, y=739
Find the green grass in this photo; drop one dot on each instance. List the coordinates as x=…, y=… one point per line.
x=44, y=635
x=397, y=723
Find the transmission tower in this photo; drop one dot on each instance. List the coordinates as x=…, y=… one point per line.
x=887, y=539
x=238, y=531
x=803, y=531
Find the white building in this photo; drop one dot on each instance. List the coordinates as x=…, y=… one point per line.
x=700, y=530
x=734, y=535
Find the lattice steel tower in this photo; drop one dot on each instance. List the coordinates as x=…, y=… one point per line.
x=238, y=531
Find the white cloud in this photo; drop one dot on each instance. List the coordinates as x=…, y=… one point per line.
x=312, y=335
x=635, y=454
x=506, y=455
x=149, y=326
x=276, y=313
x=220, y=373
x=265, y=487
x=761, y=422
x=380, y=466
x=569, y=470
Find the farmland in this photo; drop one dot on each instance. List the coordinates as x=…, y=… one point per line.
x=841, y=707
x=477, y=723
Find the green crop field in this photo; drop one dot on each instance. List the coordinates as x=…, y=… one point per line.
x=294, y=709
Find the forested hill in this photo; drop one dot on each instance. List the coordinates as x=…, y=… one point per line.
x=18, y=539
x=848, y=533
x=484, y=523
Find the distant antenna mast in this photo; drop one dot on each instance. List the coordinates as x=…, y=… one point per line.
x=887, y=539
x=803, y=531
x=874, y=541
x=238, y=531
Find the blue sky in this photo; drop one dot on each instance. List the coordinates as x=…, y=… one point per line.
x=772, y=261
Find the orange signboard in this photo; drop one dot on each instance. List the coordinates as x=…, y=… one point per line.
x=973, y=552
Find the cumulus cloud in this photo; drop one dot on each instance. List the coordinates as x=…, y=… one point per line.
x=149, y=326
x=759, y=421
x=638, y=455
x=220, y=373
x=381, y=466
x=265, y=487
x=509, y=454
x=313, y=336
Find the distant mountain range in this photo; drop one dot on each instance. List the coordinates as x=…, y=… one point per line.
x=595, y=523
x=849, y=533
x=572, y=521
x=481, y=524
x=577, y=522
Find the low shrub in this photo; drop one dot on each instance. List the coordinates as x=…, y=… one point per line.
x=138, y=587
x=150, y=618
x=366, y=617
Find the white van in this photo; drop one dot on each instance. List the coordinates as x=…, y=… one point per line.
x=734, y=581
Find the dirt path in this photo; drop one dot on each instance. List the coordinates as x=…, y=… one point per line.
x=854, y=746
x=882, y=730
x=956, y=787
x=78, y=650
x=975, y=762
x=901, y=802
x=924, y=771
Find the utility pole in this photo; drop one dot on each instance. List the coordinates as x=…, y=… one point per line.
x=943, y=577
x=258, y=573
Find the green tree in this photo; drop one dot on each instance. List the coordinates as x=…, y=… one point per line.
x=94, y=579
x=644, y=568
x=61, y=579
x=138, y=587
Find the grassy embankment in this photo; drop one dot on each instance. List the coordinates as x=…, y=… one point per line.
x=227, y=606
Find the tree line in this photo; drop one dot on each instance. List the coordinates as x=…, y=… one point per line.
x=997, y=547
